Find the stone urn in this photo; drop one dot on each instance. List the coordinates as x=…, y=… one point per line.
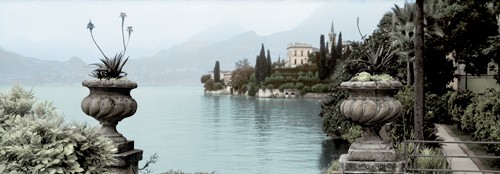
x=109, y=102
x=371, y=105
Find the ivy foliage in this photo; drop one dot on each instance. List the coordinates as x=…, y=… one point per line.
x=35, y=139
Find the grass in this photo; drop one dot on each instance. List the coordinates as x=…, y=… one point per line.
x=491, y=164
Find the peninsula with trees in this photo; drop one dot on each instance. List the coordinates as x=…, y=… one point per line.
x=305, y=73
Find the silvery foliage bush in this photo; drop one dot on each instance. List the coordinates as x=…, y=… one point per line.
x=34, y=139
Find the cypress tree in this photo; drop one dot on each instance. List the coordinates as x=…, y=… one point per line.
x=278, y=63
x=269, y=64
x=332, y=59
x=257, y=67
x=322, y=67
x=217, y=72
x=339, y=55
x=261, y=69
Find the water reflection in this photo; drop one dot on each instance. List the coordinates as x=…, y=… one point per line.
x=331, y=149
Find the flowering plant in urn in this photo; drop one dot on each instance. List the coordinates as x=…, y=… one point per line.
x=109, y=100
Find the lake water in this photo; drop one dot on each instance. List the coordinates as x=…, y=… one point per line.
x=194, y=132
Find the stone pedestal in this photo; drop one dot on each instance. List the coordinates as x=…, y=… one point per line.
x=378, y=151
x=347, y=166
x=127, y=159
x=371, y=157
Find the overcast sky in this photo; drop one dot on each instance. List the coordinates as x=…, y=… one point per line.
x=54, y=29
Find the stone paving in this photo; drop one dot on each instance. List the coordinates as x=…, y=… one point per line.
x=453, y=149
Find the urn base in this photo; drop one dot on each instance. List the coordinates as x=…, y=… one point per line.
x=348, y=166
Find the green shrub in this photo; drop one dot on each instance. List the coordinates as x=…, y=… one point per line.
x=299, y=86
x=209, y=85
x=457, y=102
x=437, y=109
x=218, y=86
x=320, y=88
x=305, y=90
x=287, y=86
x=270, y=86
x=252, y=89
x=403, y=126
x=334, y=123
x=301, y=73
x=34, y=139
x=481, y=118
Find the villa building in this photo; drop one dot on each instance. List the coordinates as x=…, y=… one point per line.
x=298, y=54
x=224, y=76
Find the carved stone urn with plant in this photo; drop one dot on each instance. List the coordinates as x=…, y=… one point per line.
x=109, y=100
x=371, y=105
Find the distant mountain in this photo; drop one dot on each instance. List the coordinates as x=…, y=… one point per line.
x=185, y=63
x=219, y=32
x=182, y=64
x=15, y=68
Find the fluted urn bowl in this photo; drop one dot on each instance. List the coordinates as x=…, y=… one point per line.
x=109, y=102
x=371, y=103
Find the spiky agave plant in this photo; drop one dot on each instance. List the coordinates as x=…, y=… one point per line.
x=111, y=67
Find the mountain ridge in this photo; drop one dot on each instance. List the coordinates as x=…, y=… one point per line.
x=184, y=63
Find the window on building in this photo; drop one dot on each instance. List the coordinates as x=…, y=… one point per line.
x=301, y=52
x=301, y=62
x=295, y=52
x=295, y=62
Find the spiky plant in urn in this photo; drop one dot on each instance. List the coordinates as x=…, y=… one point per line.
x=371, y=105
x=109, y=100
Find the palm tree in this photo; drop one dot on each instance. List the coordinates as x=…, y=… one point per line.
x=402, y=34
x=402, y=30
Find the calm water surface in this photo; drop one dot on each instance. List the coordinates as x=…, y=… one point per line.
x=228, y=134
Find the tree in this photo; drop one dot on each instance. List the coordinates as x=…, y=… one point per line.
x=205, y=77
x=241, y=77
x=418, y=67
x=262, y=66
x=340, y=46
x=332, y=58
x=400, y=25
x=277, y=64
x=209, y=85
x=269, y=64
x=217, y=72
x=258, y=67
x=241, y=63
x=323, y=64
x=468, y=25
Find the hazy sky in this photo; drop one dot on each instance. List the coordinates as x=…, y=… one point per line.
x=57, y=30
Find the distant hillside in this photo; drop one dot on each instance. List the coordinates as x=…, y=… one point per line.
x=182, y=64
x=185, y=63
x=15, y=68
